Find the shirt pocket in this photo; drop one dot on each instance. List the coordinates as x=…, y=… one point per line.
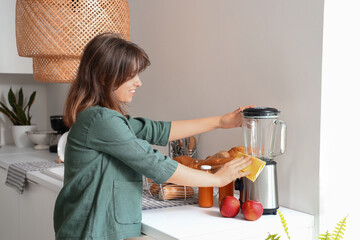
x=127, y=201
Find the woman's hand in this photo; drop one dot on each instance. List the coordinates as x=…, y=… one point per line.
x=232, y=170
x=187, y=128
x=233, y=119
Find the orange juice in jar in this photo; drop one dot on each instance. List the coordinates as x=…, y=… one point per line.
x=227, y=190
x=206, y=193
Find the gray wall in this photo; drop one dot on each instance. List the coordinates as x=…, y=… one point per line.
x=50, y=98
x=38, y=110
x=209, y=57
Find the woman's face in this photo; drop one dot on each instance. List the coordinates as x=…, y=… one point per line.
x=126, y=91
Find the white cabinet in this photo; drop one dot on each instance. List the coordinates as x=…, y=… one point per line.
x=27, y=216
x=10, y=61
x=36, y=213
x=9, y=210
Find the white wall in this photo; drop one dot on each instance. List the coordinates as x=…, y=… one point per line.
x=8, y=51
x=340, y=130
x=209, y=57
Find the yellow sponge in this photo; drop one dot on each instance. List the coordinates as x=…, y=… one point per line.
x=255, y=168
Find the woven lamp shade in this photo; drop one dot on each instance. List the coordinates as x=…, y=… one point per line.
x=55, y=32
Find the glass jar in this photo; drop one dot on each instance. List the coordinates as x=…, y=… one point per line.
x=227, y=190
x=206, y=193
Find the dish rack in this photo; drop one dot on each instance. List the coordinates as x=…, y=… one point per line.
x=169, y=191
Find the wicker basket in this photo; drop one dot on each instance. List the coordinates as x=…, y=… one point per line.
x=169, y=191
x=55, y=32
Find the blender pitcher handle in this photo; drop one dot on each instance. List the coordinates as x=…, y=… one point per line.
x=282, y=136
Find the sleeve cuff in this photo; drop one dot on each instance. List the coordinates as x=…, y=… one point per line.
x=168, y=171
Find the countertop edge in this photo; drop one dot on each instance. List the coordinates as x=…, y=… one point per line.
x=11, y=154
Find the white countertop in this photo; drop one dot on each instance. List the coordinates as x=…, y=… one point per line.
x=194, y=223
x=185, y=222
x=11, y=154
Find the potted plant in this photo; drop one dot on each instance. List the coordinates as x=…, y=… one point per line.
x=19, y=115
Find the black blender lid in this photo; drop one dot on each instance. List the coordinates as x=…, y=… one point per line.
x=261, y=112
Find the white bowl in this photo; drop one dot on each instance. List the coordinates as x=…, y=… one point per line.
x=41, y=138
x=61, y=146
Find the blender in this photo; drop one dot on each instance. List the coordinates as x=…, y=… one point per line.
x=57, y=124
x=263, y=134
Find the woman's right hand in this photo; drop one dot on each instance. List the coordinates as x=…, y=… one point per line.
x=232, y=170
x=186, y=176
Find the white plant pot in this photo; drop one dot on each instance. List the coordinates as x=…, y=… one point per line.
x=20, y=137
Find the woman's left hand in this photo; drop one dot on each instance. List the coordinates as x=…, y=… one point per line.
x=233, y=119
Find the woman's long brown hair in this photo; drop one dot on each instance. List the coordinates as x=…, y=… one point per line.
x=107, y=62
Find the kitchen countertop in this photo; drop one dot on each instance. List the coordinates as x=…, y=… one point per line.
x=194, y=223
x=11, y=154
x=184, y=222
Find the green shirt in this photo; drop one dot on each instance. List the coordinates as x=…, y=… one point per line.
x=106, y=155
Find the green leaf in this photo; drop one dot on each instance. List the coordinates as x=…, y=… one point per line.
x=32, y=99
x=339, y=230
x=21, y=116
x=273, y=237
x=325, y=236
x=28, y=106
x=284, y=224
x=12, y=99
x=21, y=98
x=9, y=114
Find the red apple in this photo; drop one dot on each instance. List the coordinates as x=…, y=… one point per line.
x=252, y=210
x=230, y=206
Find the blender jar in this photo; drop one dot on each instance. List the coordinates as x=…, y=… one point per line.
x=261, y=128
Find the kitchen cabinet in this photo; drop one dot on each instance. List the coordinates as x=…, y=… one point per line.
x=26, y=216
x=36, y=208
x=10, y=61
x=9, y=210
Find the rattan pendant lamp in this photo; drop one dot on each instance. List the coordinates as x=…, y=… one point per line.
x=55, y=32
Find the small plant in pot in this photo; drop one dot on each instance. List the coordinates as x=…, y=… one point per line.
x=19, y=115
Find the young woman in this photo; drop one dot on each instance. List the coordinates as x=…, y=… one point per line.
x=108, y=152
